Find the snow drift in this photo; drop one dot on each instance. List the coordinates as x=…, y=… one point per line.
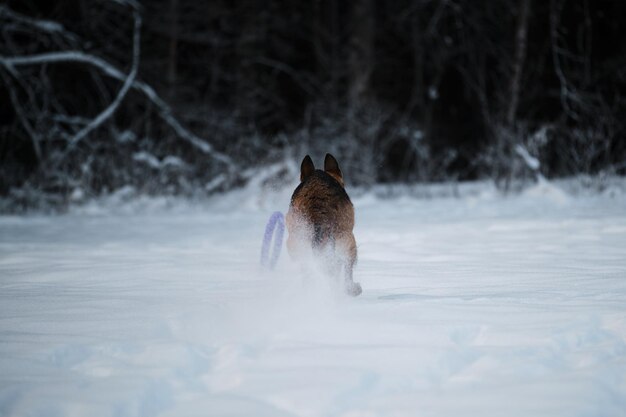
x=480, y=305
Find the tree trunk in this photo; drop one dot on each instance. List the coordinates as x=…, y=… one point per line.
x=361, y=55
x=173, y=47
x=521, y=41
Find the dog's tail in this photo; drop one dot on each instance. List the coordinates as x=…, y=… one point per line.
x=322, y=235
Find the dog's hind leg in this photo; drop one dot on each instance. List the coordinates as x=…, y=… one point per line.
x=349, y=257
x=352, y=288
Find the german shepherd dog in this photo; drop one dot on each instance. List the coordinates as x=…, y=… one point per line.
x=320, y=221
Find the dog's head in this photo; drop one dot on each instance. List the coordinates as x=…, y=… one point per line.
x=331, y=167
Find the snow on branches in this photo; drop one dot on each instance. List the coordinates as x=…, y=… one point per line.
x=55, y=131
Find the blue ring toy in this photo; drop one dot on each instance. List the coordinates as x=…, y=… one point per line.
x=275, y=223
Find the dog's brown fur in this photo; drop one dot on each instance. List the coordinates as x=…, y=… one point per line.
x=321, y=218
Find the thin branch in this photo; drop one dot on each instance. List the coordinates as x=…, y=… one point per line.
x=566, y=92
x=520, y=58
x=132, y=3
x=434, y=21
x=34, y=136
x=128, y=82
x=42, y=25
x=305, y=83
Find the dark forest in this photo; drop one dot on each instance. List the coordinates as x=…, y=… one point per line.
x=182, y=97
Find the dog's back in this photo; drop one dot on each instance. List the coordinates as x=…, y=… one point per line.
x=325, y=207
x=321, y=219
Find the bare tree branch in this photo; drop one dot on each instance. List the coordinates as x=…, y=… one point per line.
x=108, y=69
x=128, y=82
x=305, y=83
x=567, y=90
x=42, y=25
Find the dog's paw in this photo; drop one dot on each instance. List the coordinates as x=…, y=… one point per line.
x=353, y=288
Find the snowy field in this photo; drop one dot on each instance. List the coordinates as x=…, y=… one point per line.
x=473, y=306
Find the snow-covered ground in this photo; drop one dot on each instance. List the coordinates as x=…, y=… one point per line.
x=474, y=306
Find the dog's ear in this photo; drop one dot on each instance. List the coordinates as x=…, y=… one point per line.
x=332, y=167
x=306, y=168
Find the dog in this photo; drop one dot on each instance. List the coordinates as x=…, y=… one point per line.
x=320, y=221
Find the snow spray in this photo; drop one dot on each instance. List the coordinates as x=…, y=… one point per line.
x=275, y=223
